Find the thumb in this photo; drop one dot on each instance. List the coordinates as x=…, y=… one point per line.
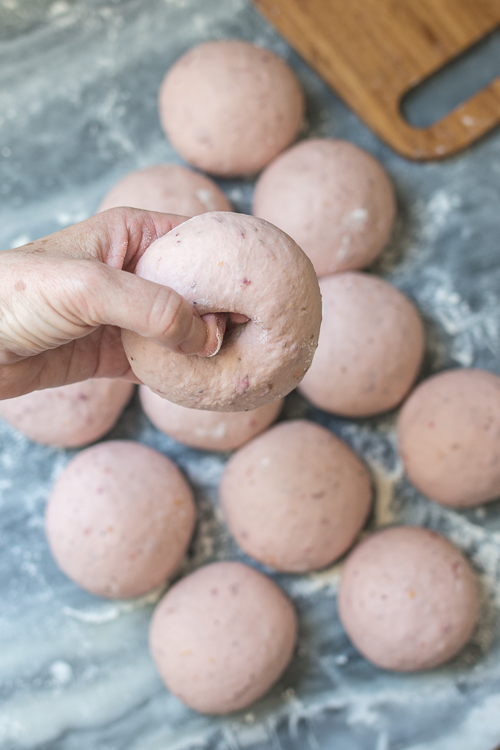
x=119, y=298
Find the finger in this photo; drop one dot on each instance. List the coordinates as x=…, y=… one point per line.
x=237, y=318
x=54, y=370
x=117, y=237
x=98, y=355
x=234, y=320
x=117, y=298
x=124, y=234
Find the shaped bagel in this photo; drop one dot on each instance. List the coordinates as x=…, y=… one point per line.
x=223, y=262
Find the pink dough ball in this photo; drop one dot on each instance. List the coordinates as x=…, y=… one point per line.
x=208, y=430
x=69, y=416
x=229, y=107
x=449, y=437
x=333, y=198
x=370, y=347
x=119, y=519
x=296, y=497
x=407, y=599
x=168, y=188
x=222, y=636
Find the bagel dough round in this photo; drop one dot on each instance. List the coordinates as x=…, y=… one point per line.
x=449, y=437
x=69, y=416
x=208, y=430
x=222, y=636
x=229, y=107
x=407, y=599
x=370, y=347
x=296, y=497
x=168, y=188
x=333, y=198
x=225, y=262
x=119, y=519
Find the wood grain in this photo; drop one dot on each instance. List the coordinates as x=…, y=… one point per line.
x=372, y=52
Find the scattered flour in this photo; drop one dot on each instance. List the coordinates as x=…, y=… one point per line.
x=20, y=240
x=109, y=612
x=357, y=219
x=61, y=673
x=470, y=330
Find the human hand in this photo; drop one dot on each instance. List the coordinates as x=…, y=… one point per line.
x=65, y=297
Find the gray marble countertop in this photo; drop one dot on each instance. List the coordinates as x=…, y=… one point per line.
x=78, y=86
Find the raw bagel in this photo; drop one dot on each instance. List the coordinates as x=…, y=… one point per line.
x=333, y=198
x=449, y=437
x=222, y=636
x=168, y=188
x=119, y=519
x=295, y=497
x=370, y=347
x=407, y=599
x=208, y=430
x=229, y=107
x=225, y=262
x=69, y=416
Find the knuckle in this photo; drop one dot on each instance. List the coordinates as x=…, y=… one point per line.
x=84, y=289
x=168, y=318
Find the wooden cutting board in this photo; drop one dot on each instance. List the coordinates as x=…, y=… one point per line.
x=372, y=52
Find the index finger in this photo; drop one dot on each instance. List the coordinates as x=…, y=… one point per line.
x=117, y=237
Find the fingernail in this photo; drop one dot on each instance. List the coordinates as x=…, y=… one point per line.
x=197, y=338
x=216, y=326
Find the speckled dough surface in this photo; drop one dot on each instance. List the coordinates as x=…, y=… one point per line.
x=229, y=107
x=370, y=347
x=169, y=188
x=69, y=416
x=119, y=519
x=225, y=262
x=208, y=430
x=408, y=599
x=295, y=497
x=222, y=636
x=449, y=437
x=333, y=198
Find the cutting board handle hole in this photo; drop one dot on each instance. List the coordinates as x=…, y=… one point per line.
x=453, y=84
